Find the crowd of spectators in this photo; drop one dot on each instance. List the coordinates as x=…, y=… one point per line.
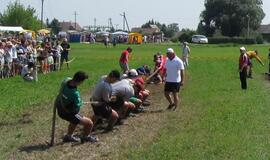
x=16, y=53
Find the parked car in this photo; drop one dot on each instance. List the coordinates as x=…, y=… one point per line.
x=199, y=39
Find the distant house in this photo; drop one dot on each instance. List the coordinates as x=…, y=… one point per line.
x=153, y=30
x=66, y=26
x=153, y=33
x=265, y=31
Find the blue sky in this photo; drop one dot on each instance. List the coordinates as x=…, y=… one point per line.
x=185, y=13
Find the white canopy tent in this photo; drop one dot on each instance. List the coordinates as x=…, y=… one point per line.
x=11, y=29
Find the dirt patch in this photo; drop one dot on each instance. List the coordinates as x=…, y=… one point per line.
x=134, y=133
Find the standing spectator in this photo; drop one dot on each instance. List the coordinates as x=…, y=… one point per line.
x=269, y=60
x=14, y=58
x=123, y=61
x=2, y=60
x=68, y=104
x=57, y=55
x=185, y=53
x=114, y=41
x=106, y=41
x=64, y=55
x=243, y=64
x=8, y=59
x=251, y=55
x=174, y=78
x=102, y=95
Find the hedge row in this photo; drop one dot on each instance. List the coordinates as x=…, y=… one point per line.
x=239, y=40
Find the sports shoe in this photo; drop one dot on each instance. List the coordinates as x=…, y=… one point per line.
x=170, y=106
x=146, y=103
x=89, y=139
x=68, y=138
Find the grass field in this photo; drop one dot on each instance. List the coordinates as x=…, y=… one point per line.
x=217, y=120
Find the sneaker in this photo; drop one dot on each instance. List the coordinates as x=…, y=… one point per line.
x=139, y=109
x=146, y=103
x=68, y=138
x=132, y=115
x=89, y=139
x=170, y=106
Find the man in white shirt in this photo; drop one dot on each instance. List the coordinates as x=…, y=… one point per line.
x=174, y=78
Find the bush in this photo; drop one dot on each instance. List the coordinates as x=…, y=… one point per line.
x=259, y=39
x=186, y=35
x=239, y=40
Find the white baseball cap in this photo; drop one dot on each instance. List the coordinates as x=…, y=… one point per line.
x=170, y=50
x=242, y=49
x=133, y=73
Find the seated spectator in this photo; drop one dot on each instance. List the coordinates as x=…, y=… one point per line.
x=28, y=72
x=144, y=70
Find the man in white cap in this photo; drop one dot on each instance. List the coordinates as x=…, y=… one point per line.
x=185, y=53
x=243, y=64
x=174, y=78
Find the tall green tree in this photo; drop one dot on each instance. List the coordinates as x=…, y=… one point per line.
x=55, y=26
x=231, y=17
x=17, y=15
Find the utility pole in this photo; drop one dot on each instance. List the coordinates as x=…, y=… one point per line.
x=75, y=14
x=110, y=24
x=248, y=18
x=125, y=21
x=41, y=23
x=95, y=24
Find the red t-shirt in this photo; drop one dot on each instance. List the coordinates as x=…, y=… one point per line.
x=124, y=56
x=139, y=83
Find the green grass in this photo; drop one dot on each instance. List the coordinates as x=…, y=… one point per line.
x=217, y=120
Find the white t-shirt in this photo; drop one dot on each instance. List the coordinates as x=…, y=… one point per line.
x=185, y=51
x=123, y=89
x=50, y=60
x=173, y=68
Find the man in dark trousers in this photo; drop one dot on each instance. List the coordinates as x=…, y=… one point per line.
x=243, y=64
x=64, y=55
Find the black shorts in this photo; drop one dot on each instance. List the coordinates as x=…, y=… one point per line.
x=102, y=111
x=118, y=104
x=73, y=118
x=172, y=87
x=64, y=56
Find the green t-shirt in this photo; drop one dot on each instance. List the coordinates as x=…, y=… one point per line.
x=70, y=96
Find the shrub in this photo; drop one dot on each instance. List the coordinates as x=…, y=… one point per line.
x=239, y=40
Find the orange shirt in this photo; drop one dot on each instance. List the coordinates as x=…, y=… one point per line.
x=252, y=54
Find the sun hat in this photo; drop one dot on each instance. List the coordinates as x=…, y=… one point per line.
x=170, y=50
x=133, y=73
x=242, y=49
